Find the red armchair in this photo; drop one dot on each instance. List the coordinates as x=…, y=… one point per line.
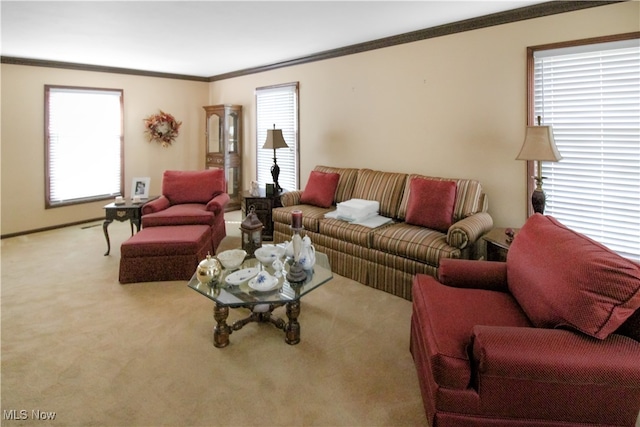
x=551, y=337
x=190, y=198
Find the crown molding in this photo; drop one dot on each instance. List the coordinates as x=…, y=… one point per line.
x=97, y=68
x=515, y=15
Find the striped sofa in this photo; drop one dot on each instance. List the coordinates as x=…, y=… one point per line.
x=387, y=257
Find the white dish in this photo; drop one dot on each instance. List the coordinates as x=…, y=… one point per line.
x=232, y=259
x=241, y=276
x=267, y=283
x=269, y=253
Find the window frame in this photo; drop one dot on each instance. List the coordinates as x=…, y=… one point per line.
x=531, y=121
x=295, y=86
x=49, y=204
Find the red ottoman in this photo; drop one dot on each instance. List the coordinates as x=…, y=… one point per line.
x=164, y=253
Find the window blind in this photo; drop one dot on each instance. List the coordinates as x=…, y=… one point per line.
x=591, y=96
x=84, y=144
x=278, y=105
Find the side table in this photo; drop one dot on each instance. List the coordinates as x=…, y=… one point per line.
x=122, y=212
x=497, y=245
x=263, y=205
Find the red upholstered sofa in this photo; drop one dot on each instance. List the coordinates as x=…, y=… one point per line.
x=190, y=198
x=551, y=337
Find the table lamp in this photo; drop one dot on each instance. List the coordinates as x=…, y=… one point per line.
x=275, y=140
x=539, y=145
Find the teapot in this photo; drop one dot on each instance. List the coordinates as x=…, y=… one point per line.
x=307, y=254
x=209, y=269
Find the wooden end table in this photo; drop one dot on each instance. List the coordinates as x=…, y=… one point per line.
x=127, y=211
x=263, y=205
x=497, y=245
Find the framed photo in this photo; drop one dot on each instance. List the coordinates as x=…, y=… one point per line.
x=140, y=187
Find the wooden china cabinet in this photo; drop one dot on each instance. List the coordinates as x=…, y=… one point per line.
x=224, y=147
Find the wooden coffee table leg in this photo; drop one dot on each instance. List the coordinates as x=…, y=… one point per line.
x=221, y=331
x=292, y=329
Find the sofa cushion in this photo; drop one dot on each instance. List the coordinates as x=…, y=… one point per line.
x=413, y=242
x=347, y=181
x=563, y=279
x=469, y=197
x=170, y=240
x=346, y=231
x=311, y=215
x=320, y=189
x=385, y=187
x=193, y=186
x=431, y=203
x=446, y=317
x=183, y=214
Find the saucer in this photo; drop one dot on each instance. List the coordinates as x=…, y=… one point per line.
x=268, y=284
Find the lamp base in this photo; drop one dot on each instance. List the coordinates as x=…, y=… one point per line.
x=275, y=173
x=538, y=201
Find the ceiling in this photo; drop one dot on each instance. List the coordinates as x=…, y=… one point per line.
x=210, y=38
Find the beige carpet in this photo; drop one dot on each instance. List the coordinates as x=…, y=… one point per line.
x=97, y=353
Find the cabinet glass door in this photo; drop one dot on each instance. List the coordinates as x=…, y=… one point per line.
x=215, y=140
x=224, y=146
x=233, y=132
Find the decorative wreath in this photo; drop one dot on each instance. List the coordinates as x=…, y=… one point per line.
x=162, y=128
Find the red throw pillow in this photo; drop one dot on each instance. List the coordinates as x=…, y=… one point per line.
x=431, y=203
x=320, y=189
x=563, y=279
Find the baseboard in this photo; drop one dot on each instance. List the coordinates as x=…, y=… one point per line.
x=53, y=227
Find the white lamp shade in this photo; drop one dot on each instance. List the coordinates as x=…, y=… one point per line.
x=274, y=139
x=539, y=144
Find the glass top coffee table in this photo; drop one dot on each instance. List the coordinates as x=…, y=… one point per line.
x=262, y=303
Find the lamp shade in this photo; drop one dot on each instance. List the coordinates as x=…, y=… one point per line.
x=274, y=139
x=539, y=144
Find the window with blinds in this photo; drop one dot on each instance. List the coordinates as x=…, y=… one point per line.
x=84, y=144
x=278, y=105
x=590, y=94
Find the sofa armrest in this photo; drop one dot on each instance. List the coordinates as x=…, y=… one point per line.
x=157, y=205
x=464, y=273
x=291, y=198
x=466, y=231
x=218, y=203
x=557, y=372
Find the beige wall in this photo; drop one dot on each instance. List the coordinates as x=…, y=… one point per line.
x=452, y=106
x=23, y=138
